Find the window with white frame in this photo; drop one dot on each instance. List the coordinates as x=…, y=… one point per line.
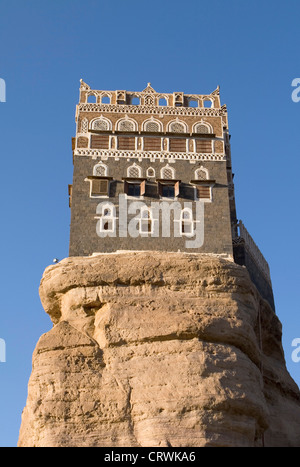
x=186, y=222
x=100, y=170
x=134, y=171
x=101, y=124
x=99, y=187
x=107, y=218
x=167, y=172
x=145, y=221
x=152, y=126
x=202, y=128
x=150, y=172
x=126, y=125
x=177, y=127
x=201, y=174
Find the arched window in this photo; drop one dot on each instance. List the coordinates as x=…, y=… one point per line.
x=152, y=126
x=105, y=100
x=177, y=127
x=127, y=125
x=91, y=99
x=186, y=222
x=107, y=218
x=202, y=128
x=101, y=124
x=162, y=101
x=135, y=100
x=150, y=172
x=100, y=170
x=167, y=172
x=134, y=171
x=201, y=174
x=207, y=103
x=193, y=103
x=145, y=221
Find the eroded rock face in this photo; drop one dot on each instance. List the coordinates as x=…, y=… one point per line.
x=158, y=349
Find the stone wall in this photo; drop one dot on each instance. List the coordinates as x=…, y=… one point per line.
x=84, y=239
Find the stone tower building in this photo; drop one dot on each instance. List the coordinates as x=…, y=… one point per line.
x=152, y=171
x=160, y=339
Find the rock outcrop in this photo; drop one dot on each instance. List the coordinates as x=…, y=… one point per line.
x=158, y=349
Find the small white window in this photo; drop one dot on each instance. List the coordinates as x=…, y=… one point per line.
x=186, y=223
x=107, y=218
x=145, y=221
x=150, y=172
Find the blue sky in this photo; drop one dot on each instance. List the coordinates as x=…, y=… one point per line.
x=250, y=49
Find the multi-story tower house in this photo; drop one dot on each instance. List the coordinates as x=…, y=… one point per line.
x=152, y=171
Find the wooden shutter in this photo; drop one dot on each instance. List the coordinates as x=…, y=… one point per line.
x=203, y=192
x=126, y=143
x=99, y=187
x=143, y=187
x=100, y=142
x=176, y=189
x=152, y=144
x=177, y=145
x=203, y=145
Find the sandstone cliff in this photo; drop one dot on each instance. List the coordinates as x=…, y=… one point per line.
x=158, y=349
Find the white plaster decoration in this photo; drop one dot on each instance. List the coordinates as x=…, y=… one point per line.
x=177, y=126
x=84, y=125
x=152, y=125
x=159, y=155
x=100, y=170
x=101, y=123
x=126, y=124
x=201, y=173
x=167, y=172
x=134, y=171
x=202, y=127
